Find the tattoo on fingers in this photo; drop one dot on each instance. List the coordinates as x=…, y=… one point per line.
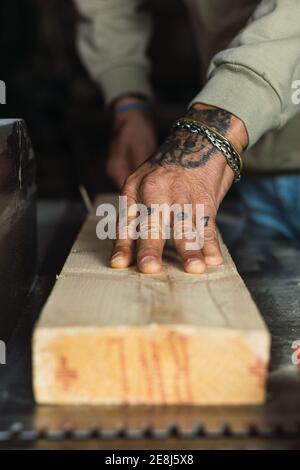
x=206, y=220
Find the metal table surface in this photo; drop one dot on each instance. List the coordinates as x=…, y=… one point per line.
x=271, y=271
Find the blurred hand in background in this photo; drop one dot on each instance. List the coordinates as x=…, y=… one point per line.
x=133, y=139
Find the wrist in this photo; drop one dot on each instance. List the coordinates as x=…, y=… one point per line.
x=229, y=125
x=129, y=100
x=202, y=130
x=129, y=107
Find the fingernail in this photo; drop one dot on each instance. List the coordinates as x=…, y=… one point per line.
x=213, y=260
x=150, y=265
x=118, y=260
x=195, y=266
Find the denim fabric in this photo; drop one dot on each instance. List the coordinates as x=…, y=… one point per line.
x=272, y=203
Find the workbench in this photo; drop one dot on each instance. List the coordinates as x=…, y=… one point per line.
x=272, y=274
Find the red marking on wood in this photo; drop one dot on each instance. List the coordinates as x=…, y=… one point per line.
x=157, y=367
x=172, y=337
x=119, y=342
x=259, y=370
x=297, y=353
x=181, y=359
x=65, y=374
x=186, y=367
x=145, y=369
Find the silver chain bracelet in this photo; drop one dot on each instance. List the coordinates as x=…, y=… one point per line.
x=232, y=156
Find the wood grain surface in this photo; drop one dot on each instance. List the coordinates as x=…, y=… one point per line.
x=122, y=337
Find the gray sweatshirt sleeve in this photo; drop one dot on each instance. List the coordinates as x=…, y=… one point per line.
x=112, y=40
x=254, y=77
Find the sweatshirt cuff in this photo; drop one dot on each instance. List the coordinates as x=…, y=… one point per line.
x=125, y=80
x=240, y=91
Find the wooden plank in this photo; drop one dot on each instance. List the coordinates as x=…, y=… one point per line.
x=115, y=337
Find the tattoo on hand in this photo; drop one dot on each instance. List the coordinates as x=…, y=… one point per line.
x=188, y=150
x=206, y=220
x=214, y=117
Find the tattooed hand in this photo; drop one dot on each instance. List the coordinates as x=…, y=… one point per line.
x=187, y=169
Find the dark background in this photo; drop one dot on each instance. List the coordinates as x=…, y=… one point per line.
x=48, y=87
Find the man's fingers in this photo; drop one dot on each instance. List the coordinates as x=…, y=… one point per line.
x=124, y=248
x=153, y=193
x=149, y=258
x=188, y=246
x=144, y=227
x=123, y=254
x=211, y=248
x=151, y=244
